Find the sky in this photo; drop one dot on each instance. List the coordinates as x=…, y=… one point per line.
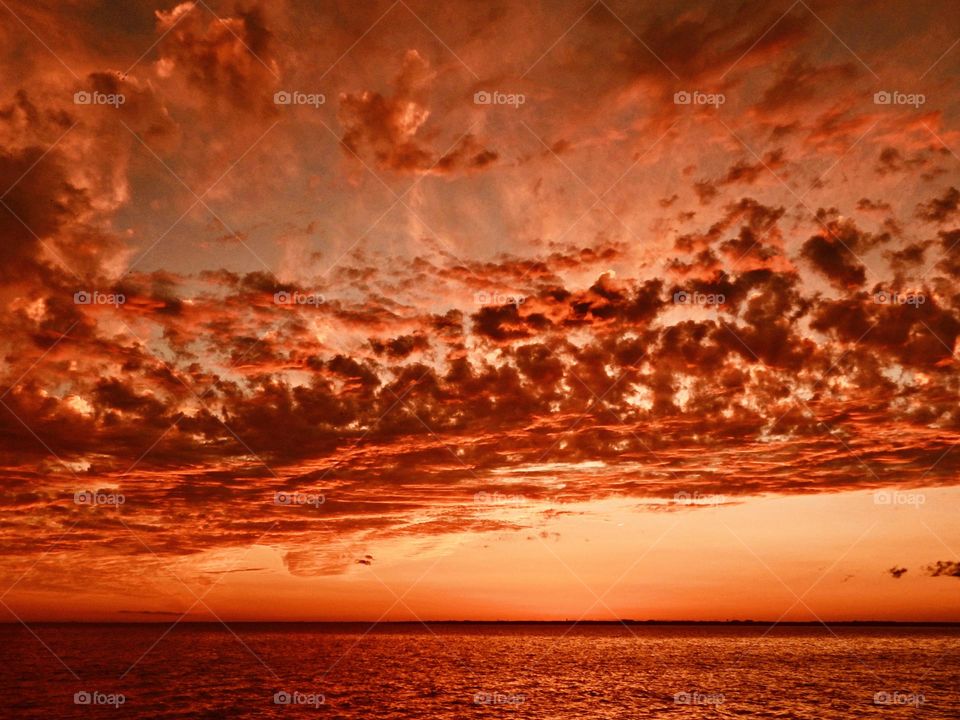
x=419, y=311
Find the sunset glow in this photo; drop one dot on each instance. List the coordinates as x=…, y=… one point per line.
x=510, y=311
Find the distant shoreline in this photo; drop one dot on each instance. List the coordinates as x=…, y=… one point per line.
x=589, y=623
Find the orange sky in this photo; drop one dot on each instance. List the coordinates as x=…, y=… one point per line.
x=574, y=310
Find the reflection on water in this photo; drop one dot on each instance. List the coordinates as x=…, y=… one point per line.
x=483, y=671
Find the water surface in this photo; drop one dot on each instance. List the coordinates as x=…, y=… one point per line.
x=452, y=671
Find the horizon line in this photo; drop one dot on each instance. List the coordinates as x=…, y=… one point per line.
x=624, y=621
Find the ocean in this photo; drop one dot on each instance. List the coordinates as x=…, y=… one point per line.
x=451, y=670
